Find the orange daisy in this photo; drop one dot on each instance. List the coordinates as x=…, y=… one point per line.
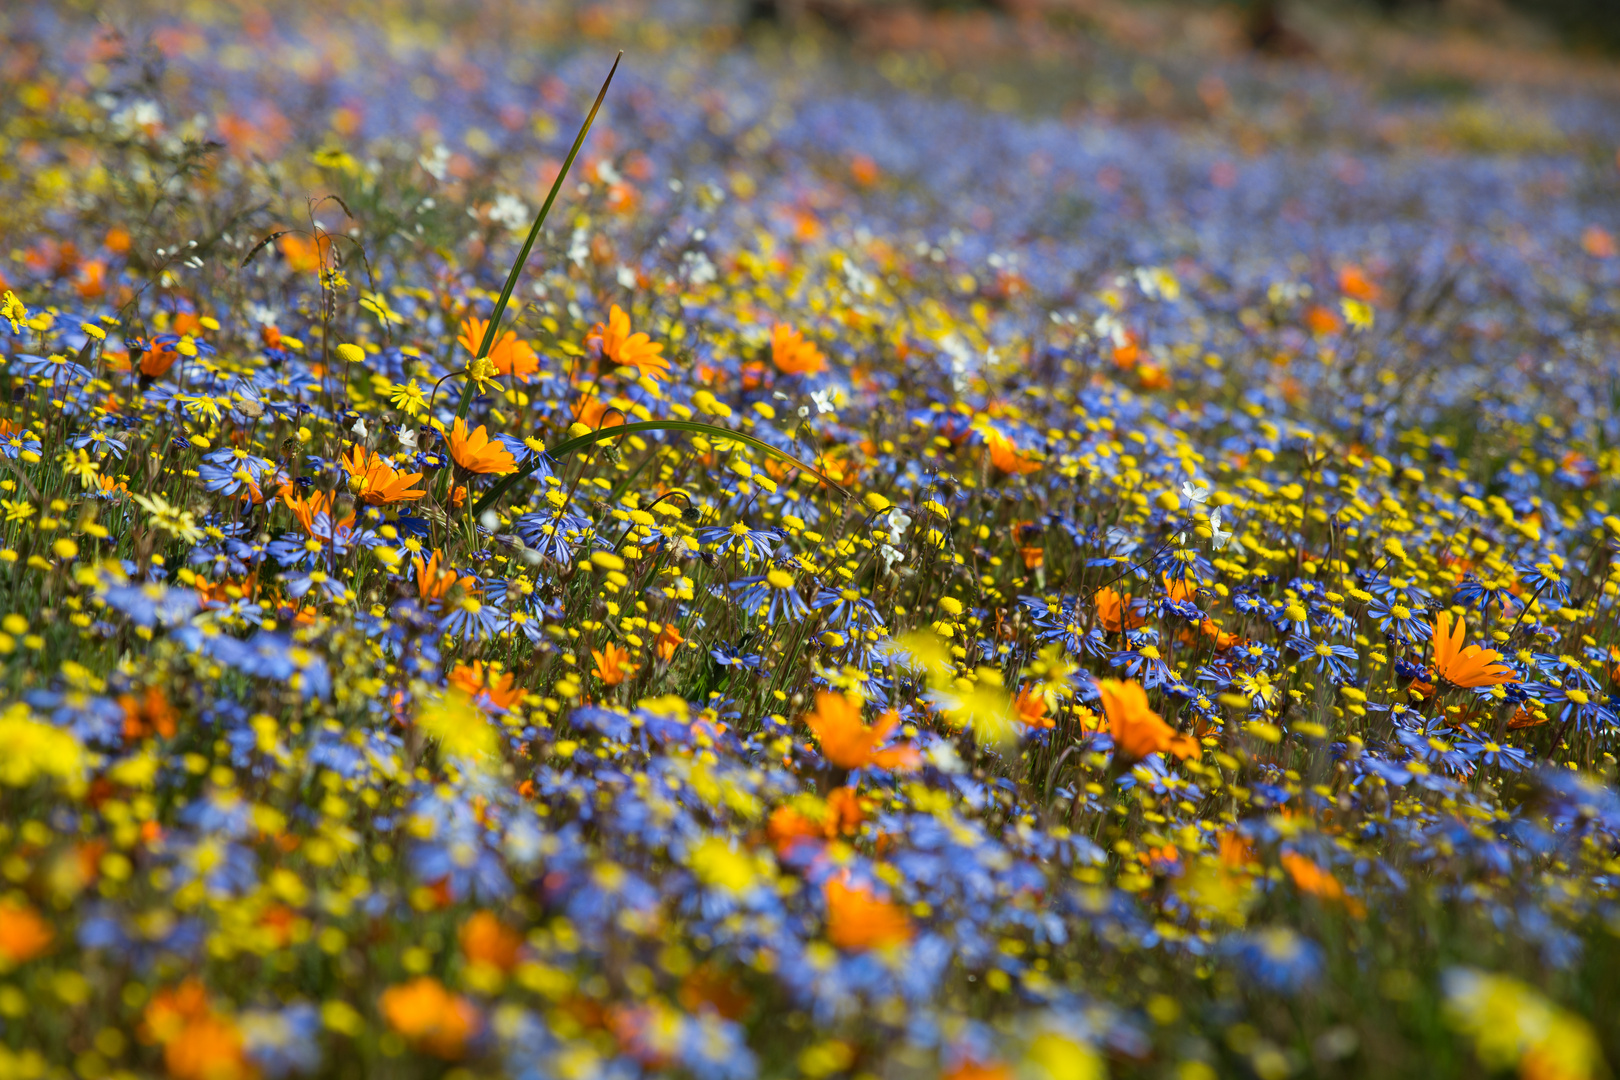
x=477, y=452
x=1005, y=455
x=487, y=683
x=432, y=581
x=1467, y=666
x=430, y=1017
x=847, y=742
x=1115, y=611
x=509, y=355
x=306, y=508
x=793, y=355
x=669, y=639
x=23, y=933
x=1030, y=708
x=857, y=920
x=380, y=483
x=613, y=664
x=1136, y=729
x=619, y=345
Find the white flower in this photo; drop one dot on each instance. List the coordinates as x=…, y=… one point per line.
x=698, y=269
x=359, y=428
x=890, y=555
x=1217, y=536
x=509, y=210
x=525, y=843
x=943, y=756
x=437, y=163
x=1193, y=495
x=1109, y=326
x=407, y=438
x=898, y=522
x=140, y=116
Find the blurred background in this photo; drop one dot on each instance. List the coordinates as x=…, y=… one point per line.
x=1273, y=25
x=1486, y=70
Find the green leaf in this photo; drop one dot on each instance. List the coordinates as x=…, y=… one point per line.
x=534, y=231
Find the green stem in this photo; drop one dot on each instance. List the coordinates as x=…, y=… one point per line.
x=534, y=233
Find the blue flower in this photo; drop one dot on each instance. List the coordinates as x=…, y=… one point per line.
x=1277, y=958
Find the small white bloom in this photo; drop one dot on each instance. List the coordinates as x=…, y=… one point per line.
x=437, y=163
x=943, y=756
x=697, y=268
x=1217, y=535
x=407, y=438
x=140, y=116
x=359, y=428
x=1193, y=494
x=509, y=210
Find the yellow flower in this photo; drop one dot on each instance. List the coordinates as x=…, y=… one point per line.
x=408, y=397
x=1357, y=313
x=481, y=369
x=1513, y=1024
x=30, y=750
x=721, y=864
x=1053, y=1055
x=458, y=727
x=79, y=464
x=171, y=519
x=12, y=309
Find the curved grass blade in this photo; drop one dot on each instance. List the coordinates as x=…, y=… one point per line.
x=562, y=450
x=534, y=230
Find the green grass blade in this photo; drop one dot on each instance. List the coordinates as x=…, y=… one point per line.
x=534, y=231
x=562, y=450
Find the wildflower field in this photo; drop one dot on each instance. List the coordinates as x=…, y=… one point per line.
x=823, y=566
